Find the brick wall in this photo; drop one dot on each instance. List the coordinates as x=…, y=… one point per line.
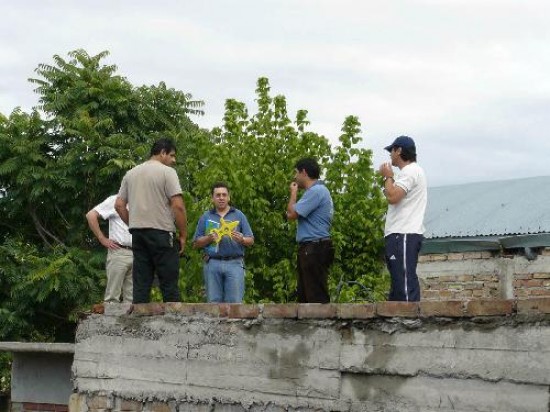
x=484, y=275
x=37, y=407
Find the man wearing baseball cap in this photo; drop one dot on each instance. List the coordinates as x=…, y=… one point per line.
x=407, y=196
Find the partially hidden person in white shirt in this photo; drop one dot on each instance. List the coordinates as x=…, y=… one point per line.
x=406, y=193
x=119, y=250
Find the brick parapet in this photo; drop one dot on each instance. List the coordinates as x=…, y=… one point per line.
x=451, y=308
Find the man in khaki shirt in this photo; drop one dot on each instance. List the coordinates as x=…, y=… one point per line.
x=154, y=196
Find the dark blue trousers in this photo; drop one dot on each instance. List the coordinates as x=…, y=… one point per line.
x=401, y=259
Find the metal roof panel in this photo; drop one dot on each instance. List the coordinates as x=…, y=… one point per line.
x=505, y=207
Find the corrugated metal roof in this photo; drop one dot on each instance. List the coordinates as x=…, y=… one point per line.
x=504, y=207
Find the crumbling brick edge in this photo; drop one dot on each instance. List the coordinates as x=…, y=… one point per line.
x=348, y=311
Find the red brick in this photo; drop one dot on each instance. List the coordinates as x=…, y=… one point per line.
x=533, y=283
x=438, y=258
x=148, y=309
x=489, y=307
x=134, y=406
x=465, y=278
x=523, y=275
x=98, y=308
x=447, y=278
x=430, y=294
x=478, y=293
x=530, y=306
x=473, y=285
x=240, y=311
x=159, y=407
x=423, y=258
x=98, y=402
x=355, y=311
x=538, y=292
x=520, y=293
x=61, y=408
x=179, y=307
x=541, y=275
x=223, y=309
x=400, y=309
x=30, y=406
x=472, y=255
x=450, y=308
x=285, y=311
x=455, y=256
x=445, y=294
x=316, y=311
x=482, y=278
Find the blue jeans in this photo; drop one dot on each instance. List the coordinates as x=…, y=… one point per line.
x=224, y=280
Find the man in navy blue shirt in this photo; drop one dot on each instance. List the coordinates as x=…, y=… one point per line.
x=223, y=232
x=314, y=212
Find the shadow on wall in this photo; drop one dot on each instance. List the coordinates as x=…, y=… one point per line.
x=4, y=402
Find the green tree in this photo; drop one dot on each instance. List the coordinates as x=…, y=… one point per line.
x=256, y=156
x=57, y=162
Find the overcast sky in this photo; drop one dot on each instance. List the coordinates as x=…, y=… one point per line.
x=469, y=80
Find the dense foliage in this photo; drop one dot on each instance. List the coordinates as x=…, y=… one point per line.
x=92, y=125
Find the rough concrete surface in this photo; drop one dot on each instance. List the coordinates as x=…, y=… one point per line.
x=215, y=364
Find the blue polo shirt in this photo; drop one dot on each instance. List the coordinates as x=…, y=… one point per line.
x=315, y=210
x=227, y=246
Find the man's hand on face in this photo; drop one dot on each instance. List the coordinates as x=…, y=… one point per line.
x=386, y=170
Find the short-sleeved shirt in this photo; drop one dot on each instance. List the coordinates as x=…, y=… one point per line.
x=407, y=216
x=227, y=247
x=148, y=188
x=315, y=210
x=118, y=230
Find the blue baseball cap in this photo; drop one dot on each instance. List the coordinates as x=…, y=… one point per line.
x=402, y=141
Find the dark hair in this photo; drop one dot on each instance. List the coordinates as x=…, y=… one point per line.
x=217, y=185
x=408, y=154
x=163, y=145
x=311, y=167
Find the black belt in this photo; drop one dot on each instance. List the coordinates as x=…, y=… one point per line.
x=226, y=257
x=123, y=247
x=307, y=242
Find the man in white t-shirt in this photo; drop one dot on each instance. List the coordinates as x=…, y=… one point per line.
x=119, y=250
x=407, y=197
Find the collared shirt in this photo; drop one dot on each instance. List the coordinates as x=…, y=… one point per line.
x=315, y=210
x=118, y=230
x=407, y=216
x=227, y=247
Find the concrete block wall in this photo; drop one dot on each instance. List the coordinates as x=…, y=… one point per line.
x=484, y=275
x=479, y=355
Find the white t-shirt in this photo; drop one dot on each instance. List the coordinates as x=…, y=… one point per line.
x=118, y=230
x=407, y=216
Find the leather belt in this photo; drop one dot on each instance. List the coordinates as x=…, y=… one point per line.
x=307, y=242
x=226, y=257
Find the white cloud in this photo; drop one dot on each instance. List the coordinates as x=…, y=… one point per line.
x=460, y=76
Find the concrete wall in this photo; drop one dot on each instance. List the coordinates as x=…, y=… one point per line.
x=475, y=275
x=40, y=375
x=485, y=355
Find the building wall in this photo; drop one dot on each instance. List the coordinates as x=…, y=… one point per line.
x=431, y=356
x=476, y=275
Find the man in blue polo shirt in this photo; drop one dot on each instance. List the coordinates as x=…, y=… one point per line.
x=223, y=232
x=314, y=212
